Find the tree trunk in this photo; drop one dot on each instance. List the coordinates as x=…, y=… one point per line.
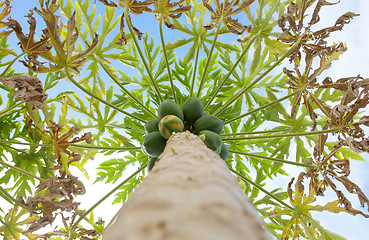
x=190, y=194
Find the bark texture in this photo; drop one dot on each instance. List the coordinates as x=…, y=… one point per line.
x=190, y=194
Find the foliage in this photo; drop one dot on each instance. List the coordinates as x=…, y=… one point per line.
x=108, y=79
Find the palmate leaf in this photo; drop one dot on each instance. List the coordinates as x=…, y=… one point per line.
x=301, y=222
x=111, y=170
x=98, y=116
x=126, y=189
x=198, y=37
x=183, y=72
x=13, y=220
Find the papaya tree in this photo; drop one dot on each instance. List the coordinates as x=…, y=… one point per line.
x=207, y=101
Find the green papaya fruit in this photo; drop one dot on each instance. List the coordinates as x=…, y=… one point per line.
x=170, y=124
x=151, y=163
x=212, y=140
x=209, y=122
x=153, y=144
x=169, y=107
x=204, y=113
x=152, y=126
x=224, y=154
x=192, y=109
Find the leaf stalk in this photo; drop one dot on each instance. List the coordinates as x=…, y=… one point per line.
x=298, y=134
x=166, y=58
x=126, y=14
x=261, y=189
x=111, y=75
x=100, y=99
x=273, y=159
x=7, y=110
x=229, y=73
x=21, y=171
x=263, y=107
x=244, y=90
x=208, y=60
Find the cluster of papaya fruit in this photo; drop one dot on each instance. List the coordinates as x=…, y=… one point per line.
x=172, y=119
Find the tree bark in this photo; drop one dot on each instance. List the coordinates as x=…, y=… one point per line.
x=190, y=194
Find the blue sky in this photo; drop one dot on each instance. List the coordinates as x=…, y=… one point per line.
x=352, y=63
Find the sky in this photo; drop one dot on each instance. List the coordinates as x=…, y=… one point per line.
x=351, y=63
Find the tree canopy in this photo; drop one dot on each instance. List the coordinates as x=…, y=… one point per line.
x=87, y=76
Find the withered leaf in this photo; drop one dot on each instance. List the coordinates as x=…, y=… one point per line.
x=353, y=188
x=365, y=120
x=313, y=42
x=5, y=12
x=29, y=89
x=339, y=110
x=165, y=10
x=38, y=224
x=310, y=111
x=315, y=17
x=356, y=146
x=63, y=141
x=27, y=42
x=345, y=18
x=63, y=48
x=299, y=183
x=359, y=103
x=322, y=106
x=319, y=148
x=109, y=4
x=289, y=189
x=54, y=194
x=223, y=11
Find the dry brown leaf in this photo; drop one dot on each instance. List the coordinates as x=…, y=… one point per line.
x=224, y=11
x=27, y=42
x=29, y=89
x=53, y=195
x=63, y=141
x=5, y=12
x=339, y=110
